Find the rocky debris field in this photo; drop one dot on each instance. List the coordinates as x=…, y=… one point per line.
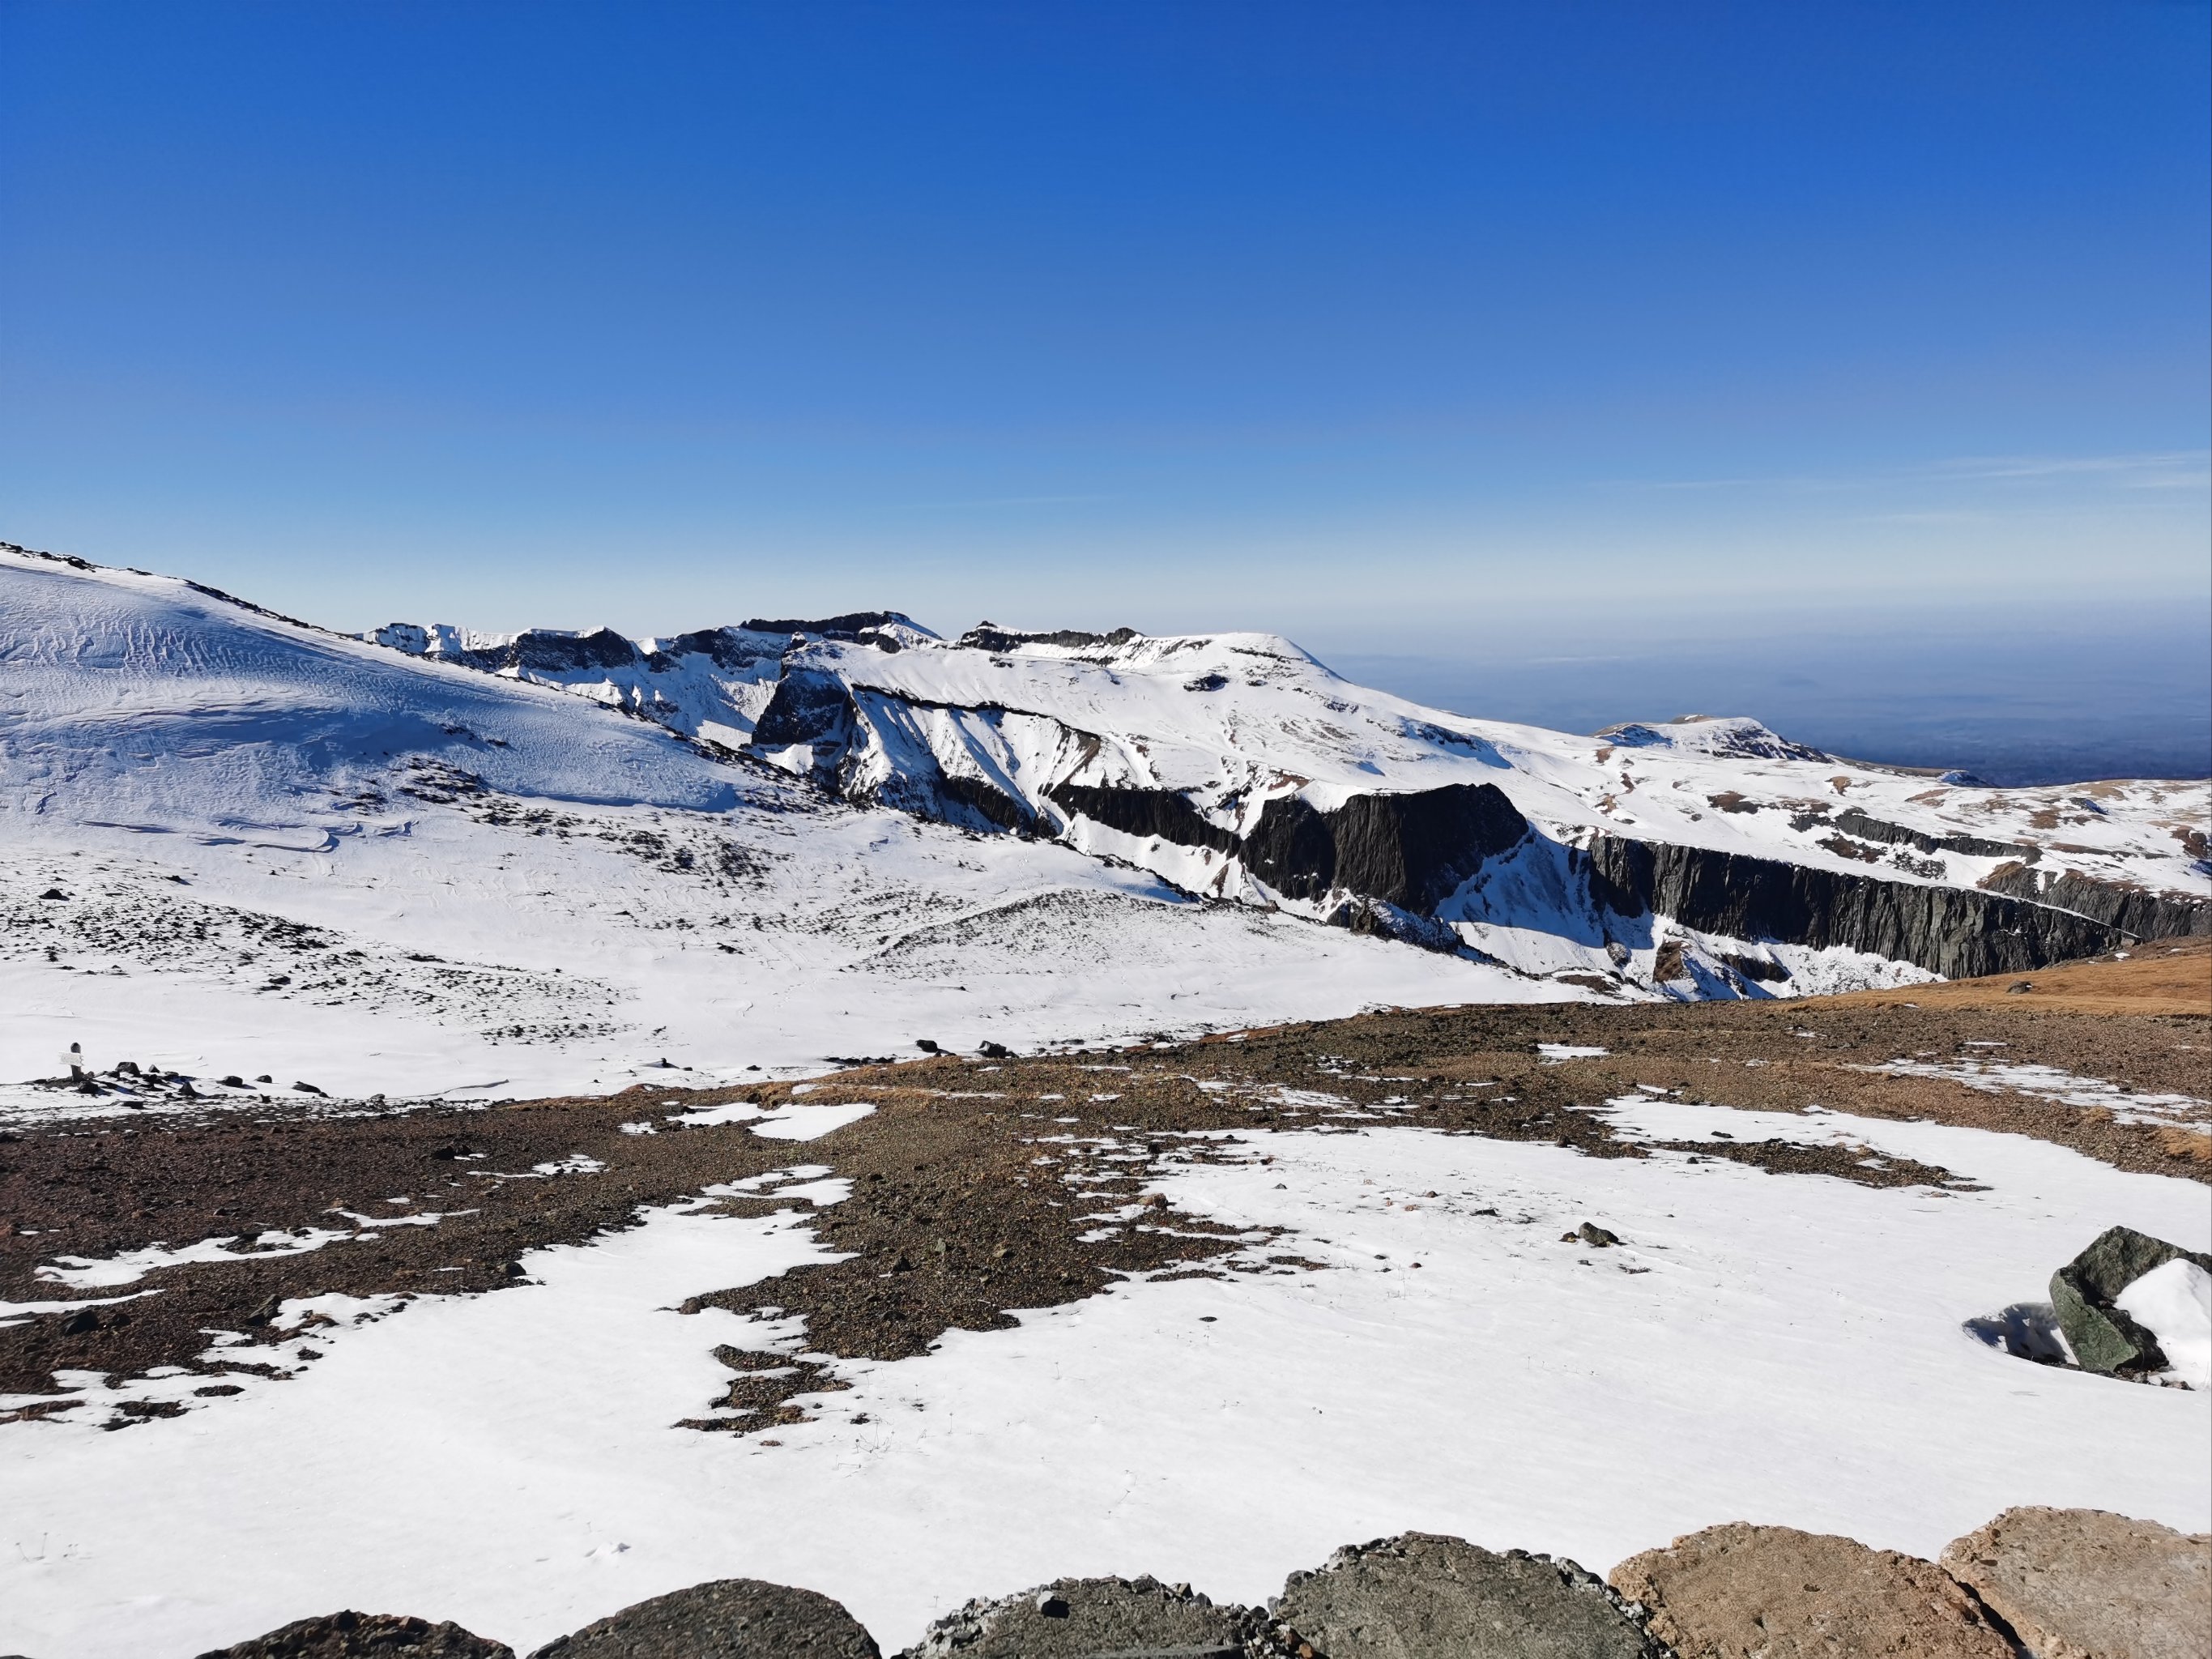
x=203, y=1240
x=2036, y=1582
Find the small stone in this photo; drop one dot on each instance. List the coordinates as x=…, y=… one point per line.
x=1737, y=1591
x=2075, y=1584
x=927, y=1045
x=53, y=893
x=1595, y=1237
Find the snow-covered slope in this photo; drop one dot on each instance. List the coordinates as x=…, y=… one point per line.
x=235, y=844
x=1710, y=856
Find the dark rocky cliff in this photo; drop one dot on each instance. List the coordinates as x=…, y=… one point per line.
x=1955, y=931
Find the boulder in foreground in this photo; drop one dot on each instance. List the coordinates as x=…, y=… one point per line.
x=365, y=1636
x=1739, y=1592
x=723, y=1619
x=1083, y=1618
x=2085, y=1584
x=2087, y=1291
x=1422, y=1596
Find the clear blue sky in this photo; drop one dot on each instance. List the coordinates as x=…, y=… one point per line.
x=1366, y=322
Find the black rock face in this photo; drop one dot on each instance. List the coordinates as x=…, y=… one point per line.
x=1956, y=931
x=1853, y=822
x=809, y=707
x=850, y=626
x=2128, y=909
x=987, y=636
x=1410, y=850
x=1146, y=812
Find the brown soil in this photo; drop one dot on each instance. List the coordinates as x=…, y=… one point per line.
x=2166, y=976
x=974, y=1183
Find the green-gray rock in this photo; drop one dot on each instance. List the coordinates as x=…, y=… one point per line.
x=1422, y=1596
x=2103, y=1337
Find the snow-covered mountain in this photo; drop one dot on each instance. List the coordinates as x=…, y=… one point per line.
x=423, y=861
x=235, y=844
x=1698, y=857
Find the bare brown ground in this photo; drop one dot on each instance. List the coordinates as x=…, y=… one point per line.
x=978, y=1187
x=2167, y=976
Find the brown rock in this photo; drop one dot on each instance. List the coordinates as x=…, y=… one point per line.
x=2084, y=1584
x=1744, y=1592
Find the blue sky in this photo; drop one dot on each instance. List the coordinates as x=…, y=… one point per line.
x=1390, y=326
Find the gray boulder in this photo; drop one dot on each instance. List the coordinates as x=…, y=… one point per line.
x=1091, y=1619
x=2105, y=1338
x=352, y=1635
x=724, y=1619
x=1422, y=1596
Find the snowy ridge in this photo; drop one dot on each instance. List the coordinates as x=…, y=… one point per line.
x=1220, y=762
x=238, y=845
x=712, y=683
x=454, y=864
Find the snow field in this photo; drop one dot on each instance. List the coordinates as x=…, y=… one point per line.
x=1780, y=1349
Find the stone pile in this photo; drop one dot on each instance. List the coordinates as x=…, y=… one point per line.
x=2052, y=1584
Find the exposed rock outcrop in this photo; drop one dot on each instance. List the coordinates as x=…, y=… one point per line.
x=2130, y=910
x=1955, y=931
x=1744, y=1592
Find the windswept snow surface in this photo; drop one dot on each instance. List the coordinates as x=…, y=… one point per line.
x=284, y=852
x=509, y=1461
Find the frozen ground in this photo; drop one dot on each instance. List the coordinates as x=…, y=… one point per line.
x=1785, y=1349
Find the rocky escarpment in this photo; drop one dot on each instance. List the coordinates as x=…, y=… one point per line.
x=1413, y=850
x=1410, y=849
x=2129, y=910
x=1958, y=932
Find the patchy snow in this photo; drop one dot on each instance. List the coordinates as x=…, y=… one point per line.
x=1557, y=1051
x=1994, y=1077
x=79, y=1273
x=812, y=1121
x=2174, y=1302
x=14, y=1313
x=1221, y=1432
